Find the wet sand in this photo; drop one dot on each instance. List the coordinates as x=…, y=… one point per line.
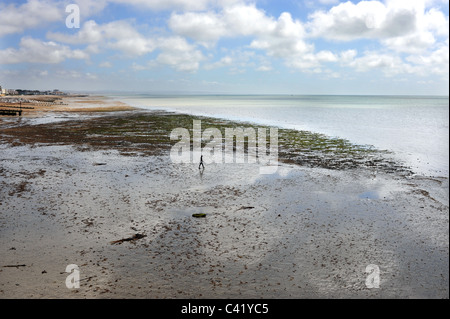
x=304, y=232
x=42, y=105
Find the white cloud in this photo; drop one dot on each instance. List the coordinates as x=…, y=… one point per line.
x=68, y=74
x=158, y=5
x=366, y=19
x=226, y=61
x=433, y=63
x=91, y=76
x=37, y=51
x=202, y=27
x=283, y=39
x=133, y=46
x=180, y=5
x=122, y=36
x=119, y=35
x=436, y=22
x=403, y=26
x=280, y=38
x=347, y=56
x=90, y=32
x=138, y=67
x=32, y=14
x=326, y=56
x=264, y=68
x=414, y=43
x=375, y=60
x=287, y=40
x=413, y=28
x=238, y=61
x=209, y=27
x=89, y=7
x=105, y=64
x=436, y=62
x=177, y=53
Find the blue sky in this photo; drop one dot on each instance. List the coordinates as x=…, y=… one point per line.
x=228, y=46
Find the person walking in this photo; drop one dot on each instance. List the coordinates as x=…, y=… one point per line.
x=201, y=163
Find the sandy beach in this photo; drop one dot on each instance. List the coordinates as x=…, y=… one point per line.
x=75, y=191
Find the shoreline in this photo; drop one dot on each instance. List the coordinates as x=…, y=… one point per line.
x=71, y=188
x=85, y=104
x=430, y=160
x=37, y=105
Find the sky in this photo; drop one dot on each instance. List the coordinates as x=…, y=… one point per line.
x=382, y=47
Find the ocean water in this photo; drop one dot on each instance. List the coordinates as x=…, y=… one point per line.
x=414, y=128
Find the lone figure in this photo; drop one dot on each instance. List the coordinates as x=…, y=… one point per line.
x=201, y=163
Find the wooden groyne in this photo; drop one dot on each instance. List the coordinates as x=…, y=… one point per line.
x=47, y=103
x=13, y=110
x=18, y=107
x=10, y=112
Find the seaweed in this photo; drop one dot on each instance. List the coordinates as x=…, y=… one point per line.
x=148, y=133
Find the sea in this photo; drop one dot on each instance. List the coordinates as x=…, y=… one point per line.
x=414, y=128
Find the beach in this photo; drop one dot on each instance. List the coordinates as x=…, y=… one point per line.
x=91, y=184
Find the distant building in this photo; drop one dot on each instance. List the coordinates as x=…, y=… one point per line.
x=2, y=91
x=32, y=92
x=28, y=92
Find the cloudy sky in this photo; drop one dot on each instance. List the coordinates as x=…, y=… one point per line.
x=227, y=46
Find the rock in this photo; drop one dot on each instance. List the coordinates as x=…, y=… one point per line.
x=133, y=238
x=99, y=164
